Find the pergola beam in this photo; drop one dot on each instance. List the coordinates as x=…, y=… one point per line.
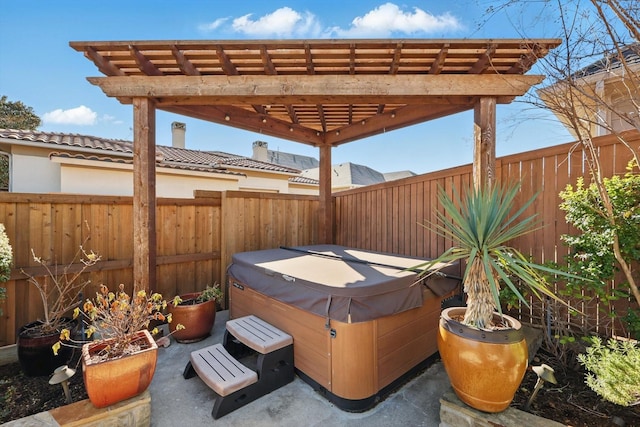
x=255, y=122
x=315, y=89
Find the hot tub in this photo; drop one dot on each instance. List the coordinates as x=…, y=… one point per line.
x=360, y=322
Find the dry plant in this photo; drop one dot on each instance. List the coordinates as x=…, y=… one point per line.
x=116, y=317
x=60, y=289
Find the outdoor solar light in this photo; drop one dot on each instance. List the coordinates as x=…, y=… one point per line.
x=544, y=373
x=61, y=375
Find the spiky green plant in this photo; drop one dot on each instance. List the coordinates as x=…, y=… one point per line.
x=481, y=225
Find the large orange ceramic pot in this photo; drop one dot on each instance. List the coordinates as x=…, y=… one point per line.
x=485, y=367
x=196, y=317
x=111, y=381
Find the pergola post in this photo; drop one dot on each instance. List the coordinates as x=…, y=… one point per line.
x=144, y=194
x=325, y=211
x=484, y=147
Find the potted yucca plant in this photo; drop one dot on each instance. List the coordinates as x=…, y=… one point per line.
x=479, y=345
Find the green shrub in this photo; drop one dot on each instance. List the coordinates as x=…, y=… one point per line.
x=614, y=370
x=6, y=255
x=591, y=250
x=6, y=259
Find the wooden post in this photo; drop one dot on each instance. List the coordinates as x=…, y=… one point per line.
x=326, y=213
x=484, y=147
x=144, y=194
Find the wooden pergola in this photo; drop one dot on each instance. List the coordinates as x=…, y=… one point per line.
x=317, y=92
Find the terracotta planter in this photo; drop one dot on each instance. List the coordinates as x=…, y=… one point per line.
x=34, y=350
x=198, y=319
x=485, y=367
x=115, y=380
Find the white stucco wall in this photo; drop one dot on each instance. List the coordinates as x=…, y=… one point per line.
x=182, y=185
x=88, y=177
x=265, y=182
x=308, y=190
x=85, y=180
x=31, y=173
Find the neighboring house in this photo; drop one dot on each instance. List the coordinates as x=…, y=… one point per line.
x=609, y=81
x=46, y=162
x=262, y=153
x=344, y=176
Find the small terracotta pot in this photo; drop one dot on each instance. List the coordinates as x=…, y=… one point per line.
x=197, y=319
x=115, y=380
x=485, y=367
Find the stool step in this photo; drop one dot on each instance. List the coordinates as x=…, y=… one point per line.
x=258, y=334
x=220, y=371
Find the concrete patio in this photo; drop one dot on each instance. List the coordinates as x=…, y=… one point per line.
x=176, y=401
x=426, y=400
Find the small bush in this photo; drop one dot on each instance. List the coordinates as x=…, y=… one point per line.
x=614, y=370
x=6, y=259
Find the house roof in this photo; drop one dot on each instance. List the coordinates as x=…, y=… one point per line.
x=349, y=174
x=297, y=161
x=317, y=92
x=630, y=54
x=173, y=157
x=392, y=176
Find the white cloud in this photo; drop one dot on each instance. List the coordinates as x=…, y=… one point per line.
x=389, y=18
x=212, y=26
x=384, y=21
x=283, y=22
x=75, y=116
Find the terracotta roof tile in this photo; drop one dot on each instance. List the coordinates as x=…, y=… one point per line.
x=68, y=139
x=304, y=180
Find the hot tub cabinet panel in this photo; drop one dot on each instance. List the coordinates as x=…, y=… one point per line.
x=311, y=341
x=363, y=358
x=406, y=339
x=353, y=363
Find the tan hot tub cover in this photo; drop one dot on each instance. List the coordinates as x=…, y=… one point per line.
x=340, y=283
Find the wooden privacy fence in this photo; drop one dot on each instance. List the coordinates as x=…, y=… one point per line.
x=387, y=217
x=195, y=239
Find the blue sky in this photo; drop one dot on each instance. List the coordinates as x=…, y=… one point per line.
x=38, y=67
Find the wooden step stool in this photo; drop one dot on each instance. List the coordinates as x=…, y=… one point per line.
x=246, y=338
